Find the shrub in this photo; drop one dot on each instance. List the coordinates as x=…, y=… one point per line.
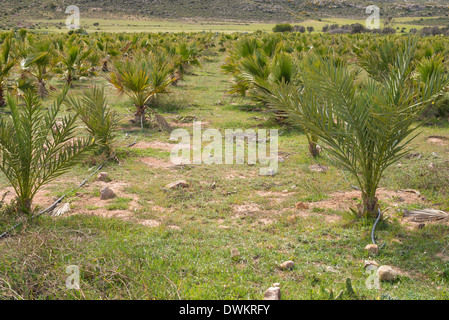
x=283, y=27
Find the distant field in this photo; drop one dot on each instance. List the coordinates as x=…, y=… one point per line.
x=114, y=25
x=193, y=25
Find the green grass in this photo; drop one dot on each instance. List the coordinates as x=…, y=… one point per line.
x=204, y=25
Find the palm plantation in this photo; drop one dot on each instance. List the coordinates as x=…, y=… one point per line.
x=349, y=108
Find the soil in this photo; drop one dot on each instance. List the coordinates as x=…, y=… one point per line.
x=157, y=163
x=154, y=145
x=342, y=201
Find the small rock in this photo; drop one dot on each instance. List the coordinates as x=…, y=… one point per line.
x=287, y=265
x=301, y=205
x=273, y=293
x=372, y=248
x=368, y=263
x=276, y=284
x=177, y=184
x=331, y=269
x=103, y=176
x=285, y=191
x=387, y=273
x=106, y=193
x=318, y=168
x=396, y=241
x=235, y=253
x=431, y=166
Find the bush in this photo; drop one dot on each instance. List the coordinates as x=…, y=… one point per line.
x=283, y=27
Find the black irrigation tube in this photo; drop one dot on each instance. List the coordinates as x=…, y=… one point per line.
x=51, y=207
x=379, y=212
x=374, y=229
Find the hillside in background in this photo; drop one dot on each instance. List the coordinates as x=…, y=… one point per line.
x=14, y=11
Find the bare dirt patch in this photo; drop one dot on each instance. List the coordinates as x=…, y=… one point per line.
x=330, y=218
x=153, y=145
x=440, y=140
x=345, y=200
x=245, y=209
x=83, y=202
x=42, y=198
x=275, y=197
x=265, y=222
x=157, y=163
x=150, y=223
x=233, y=174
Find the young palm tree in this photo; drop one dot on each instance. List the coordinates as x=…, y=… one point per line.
x=34, y=149
x=368, y=123
x=73, y=62
x=6, y=64
x=291, y=98
x=187, y=56
x=38, y=59
x=108, y=50
x=142, y=79
x=101, y=122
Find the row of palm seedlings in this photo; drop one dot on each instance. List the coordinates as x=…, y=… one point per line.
x=37, y=144
x=364, y=107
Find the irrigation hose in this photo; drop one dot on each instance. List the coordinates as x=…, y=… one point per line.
x=378, y=216
x=53, y=205
x=374, y=228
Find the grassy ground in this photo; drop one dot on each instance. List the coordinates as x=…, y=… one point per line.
x=150, y=243
x=199, y=25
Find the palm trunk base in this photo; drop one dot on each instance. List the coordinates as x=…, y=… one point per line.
x=139, y=116
x=369, y=208
x=105, y=67
x=42, y=91
x=313, y=149
x=24, y=205
x=2, y=98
